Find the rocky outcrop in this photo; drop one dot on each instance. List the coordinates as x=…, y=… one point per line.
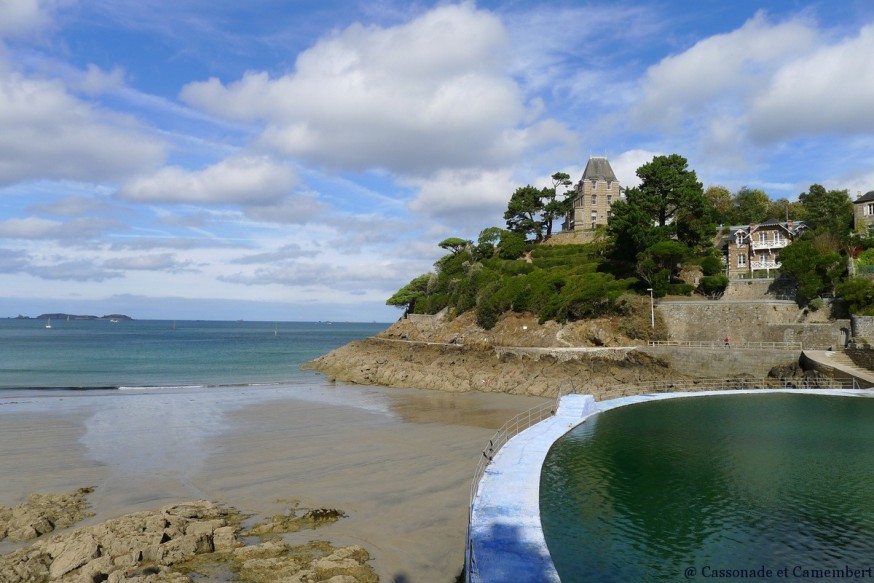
x=43, y=513
x=163, y=546
x=465, y=368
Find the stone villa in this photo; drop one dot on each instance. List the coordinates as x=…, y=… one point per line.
x=596, y=192
x=752, y=248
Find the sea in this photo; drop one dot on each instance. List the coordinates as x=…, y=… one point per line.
x=104, y=355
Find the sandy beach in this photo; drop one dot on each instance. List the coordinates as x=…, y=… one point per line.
x=397, y=461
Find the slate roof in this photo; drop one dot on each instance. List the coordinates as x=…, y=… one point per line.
x=867, y=197
x=599, y=169
x=796, y=227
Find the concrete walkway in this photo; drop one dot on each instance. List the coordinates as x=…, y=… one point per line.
x=507, y=541
x=506, y=536
x=841, y=363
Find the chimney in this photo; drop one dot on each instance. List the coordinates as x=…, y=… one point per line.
x=858, y=194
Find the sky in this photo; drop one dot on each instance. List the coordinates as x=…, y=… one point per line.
x=301, y=159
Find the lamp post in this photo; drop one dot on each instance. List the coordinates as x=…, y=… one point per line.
x=651, y=308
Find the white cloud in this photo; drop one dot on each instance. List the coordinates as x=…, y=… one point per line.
x=95, y=81
x=296, y=209
x=39, y=228
x=289, y=252
x=828, y=91
x=721, y=69
x=21, y=17
x=625, y=166
x=74, y=205
x=158, y=262
x=467, y=199
x=75, y=270
x=49, y=134
x=245, y=180
x=372, y=97
x=305, y=274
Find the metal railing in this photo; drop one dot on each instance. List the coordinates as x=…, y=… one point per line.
x=508, y=430
x=742, y=384
x=718, y=344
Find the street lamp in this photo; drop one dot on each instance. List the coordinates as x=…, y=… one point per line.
x=651, y=308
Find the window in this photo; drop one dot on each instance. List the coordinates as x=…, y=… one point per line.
x=594, y=182
x=609, y=215
x=609, y=185
x=763, y=237
x=869, y=209
x=594, y=199
x=609, y=197
x=742, y=260
x=778, y=237
x=740, y=239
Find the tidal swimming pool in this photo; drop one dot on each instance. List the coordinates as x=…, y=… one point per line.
x=764, y=487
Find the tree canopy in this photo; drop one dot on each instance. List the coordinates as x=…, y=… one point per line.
x=669, y=202
x=523, y=210
x=827, y=210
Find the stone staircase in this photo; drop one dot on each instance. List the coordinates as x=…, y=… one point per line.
x=841, y=366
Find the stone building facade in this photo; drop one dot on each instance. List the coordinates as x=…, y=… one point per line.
x=863, y=211
x=752, y=248
x=596, y=192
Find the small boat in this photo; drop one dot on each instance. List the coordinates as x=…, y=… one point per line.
x=48, y=322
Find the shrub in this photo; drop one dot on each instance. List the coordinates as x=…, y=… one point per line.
x=713, y=286
x=711, y=266
x=511, y=245
x=681, y=289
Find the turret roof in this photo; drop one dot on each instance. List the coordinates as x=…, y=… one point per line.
x=598, y=168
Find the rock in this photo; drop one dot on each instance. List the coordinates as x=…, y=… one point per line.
x=42, y=514
x=224, y=539
x=73, y=555
x=153, y=547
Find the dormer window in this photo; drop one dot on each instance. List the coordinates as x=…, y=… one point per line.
x=594, y=183
x=609, y=185
x=763, y=237
x=740, y=239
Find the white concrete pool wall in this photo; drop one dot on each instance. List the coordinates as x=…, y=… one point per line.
x=506, y=538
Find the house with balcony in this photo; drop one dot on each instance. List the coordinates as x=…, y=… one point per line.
x=752, y=249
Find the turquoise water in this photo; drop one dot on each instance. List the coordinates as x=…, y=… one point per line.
x=92, y=354
x=771, y=487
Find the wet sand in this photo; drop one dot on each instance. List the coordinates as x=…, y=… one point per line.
x=398, y=461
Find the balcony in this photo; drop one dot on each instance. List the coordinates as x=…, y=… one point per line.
x=770, y=244
x=765, y=265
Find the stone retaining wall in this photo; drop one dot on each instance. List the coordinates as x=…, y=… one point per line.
x=749, y=321
x=863, y=327
x=723, y=362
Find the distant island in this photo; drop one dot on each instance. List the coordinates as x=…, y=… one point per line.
x=62, y=316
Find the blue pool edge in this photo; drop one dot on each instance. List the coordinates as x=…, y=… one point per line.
x=506, y=537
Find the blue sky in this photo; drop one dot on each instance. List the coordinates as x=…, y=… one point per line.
x=299, y=160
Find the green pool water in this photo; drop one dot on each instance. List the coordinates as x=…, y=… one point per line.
x=752, y=487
